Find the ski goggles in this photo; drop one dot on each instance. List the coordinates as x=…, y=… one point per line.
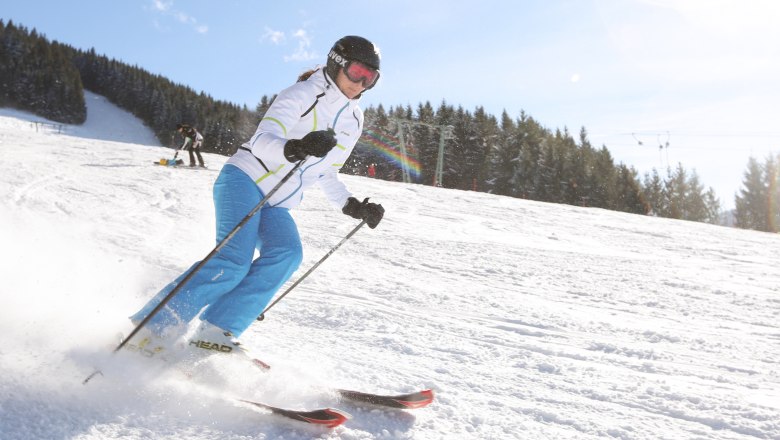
x=359, y=72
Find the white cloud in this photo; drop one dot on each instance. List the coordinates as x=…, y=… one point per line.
x=302, y=52
x=161, y=5
x=184, y=18
x=166, y=8
x=302, y=37
x=276, y=37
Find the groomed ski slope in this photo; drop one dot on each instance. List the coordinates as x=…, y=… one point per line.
x=529, y=320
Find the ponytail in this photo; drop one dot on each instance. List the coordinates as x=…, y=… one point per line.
x=305, y=75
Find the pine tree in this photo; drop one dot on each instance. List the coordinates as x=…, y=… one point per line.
x=487, y=136
x=713, y=208
x=468, y=157
x=695, y=207
x=263, y=106
x=533, y=140
x=752, y=210
x=773, y=192
x=38, y=76
x=583, y=172
x=502, y=158
x=675, y=192
x=653, y=188
x=425, y=140
x=629, y=197
x=604, y=177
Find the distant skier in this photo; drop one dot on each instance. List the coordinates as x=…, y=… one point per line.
x=192, y=142
x=316, y=121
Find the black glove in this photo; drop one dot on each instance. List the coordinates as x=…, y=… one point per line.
x=370, y=212
x=316, y=143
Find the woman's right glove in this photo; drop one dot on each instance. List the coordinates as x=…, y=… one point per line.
x=315, y=143
x=370, y=212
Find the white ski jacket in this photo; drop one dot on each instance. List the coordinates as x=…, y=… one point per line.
x=314, y=104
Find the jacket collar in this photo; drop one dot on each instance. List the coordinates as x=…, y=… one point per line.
x=334, y=95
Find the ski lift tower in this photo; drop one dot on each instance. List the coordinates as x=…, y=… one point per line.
x=402, y=147
x=445, y=133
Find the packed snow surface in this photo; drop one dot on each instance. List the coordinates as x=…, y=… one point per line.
x=529, y=320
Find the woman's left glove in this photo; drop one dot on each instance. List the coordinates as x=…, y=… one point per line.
x=370, y=212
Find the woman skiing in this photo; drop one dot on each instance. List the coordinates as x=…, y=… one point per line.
x=317, y=121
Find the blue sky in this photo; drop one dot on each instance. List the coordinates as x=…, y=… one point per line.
x=700, y=75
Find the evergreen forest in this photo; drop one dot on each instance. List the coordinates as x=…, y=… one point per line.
x=444, y=145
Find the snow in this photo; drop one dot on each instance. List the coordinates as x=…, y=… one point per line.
x=529, y=320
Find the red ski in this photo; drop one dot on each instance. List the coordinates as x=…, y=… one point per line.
x=414, y=400
x=417, y=399
x=327, y=417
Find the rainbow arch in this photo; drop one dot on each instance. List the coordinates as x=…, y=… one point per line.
x=387, y=147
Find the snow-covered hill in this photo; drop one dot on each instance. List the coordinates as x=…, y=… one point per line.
x=529, y=320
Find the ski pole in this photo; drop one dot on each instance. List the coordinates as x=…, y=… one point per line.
x=351, y=233
x=208, y=257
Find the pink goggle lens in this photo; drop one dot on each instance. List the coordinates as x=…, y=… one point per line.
x=359, y=72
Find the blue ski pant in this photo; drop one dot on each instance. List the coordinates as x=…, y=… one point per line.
x=232, y=289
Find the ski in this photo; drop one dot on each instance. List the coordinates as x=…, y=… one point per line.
x=179, y=165
x=327, y=417
x=331, y=417
x=169, y=162
x=418, y=399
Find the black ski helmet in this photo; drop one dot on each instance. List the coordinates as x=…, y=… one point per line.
x=352, y=48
